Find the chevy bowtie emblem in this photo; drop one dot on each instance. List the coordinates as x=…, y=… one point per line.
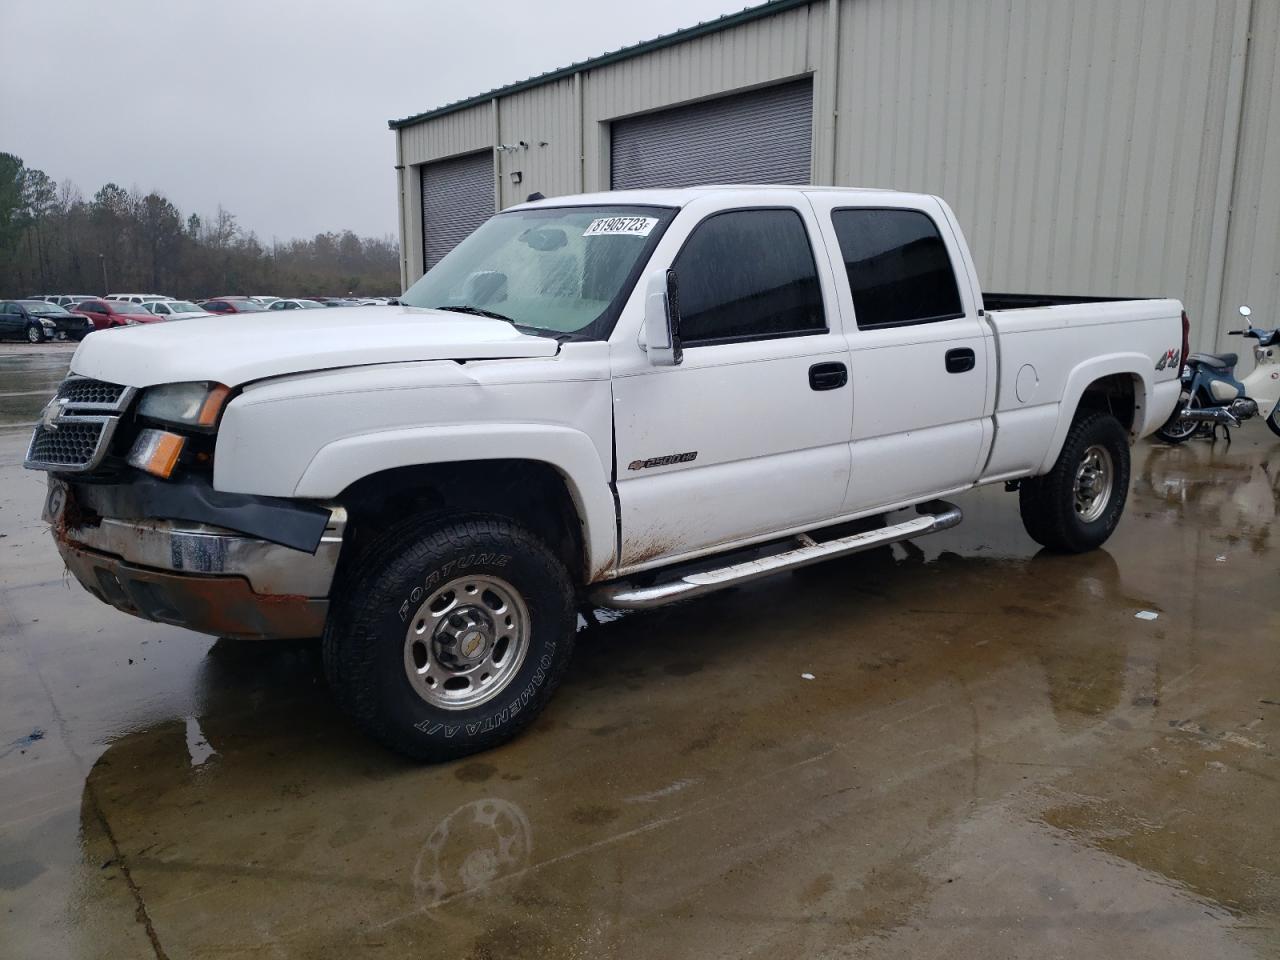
x=51, y=412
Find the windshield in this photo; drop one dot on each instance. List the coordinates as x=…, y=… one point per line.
x=555, y=269
x=42, y=309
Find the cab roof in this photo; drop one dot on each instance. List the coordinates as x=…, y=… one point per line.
x=681, y=196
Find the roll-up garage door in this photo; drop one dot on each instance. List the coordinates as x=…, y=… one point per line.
x=457, y=196
x=764, y=136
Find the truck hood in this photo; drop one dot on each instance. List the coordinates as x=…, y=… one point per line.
x=238, y=348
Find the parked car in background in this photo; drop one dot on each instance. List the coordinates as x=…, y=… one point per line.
x=69, y=325
x=69, y=300
x=335, y=302
x=137, y=297
x=105, y=314
x=232, y=305
x=175, y=309
x=296, y=305
x=18, y=323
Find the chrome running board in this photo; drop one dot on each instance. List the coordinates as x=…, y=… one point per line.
x=627, y=595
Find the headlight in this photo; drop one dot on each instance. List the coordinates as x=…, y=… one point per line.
x=48, y=324
x=185, y=404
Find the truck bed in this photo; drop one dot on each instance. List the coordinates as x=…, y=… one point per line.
x=1023, y=301
x=1052, y=347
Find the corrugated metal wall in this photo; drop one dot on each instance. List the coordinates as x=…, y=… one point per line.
x=1096, y=146
x=456, y=133
x=1253, y=244
x=547, y=121
x=1081, y=143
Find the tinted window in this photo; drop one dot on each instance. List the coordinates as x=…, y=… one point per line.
x=748, y=274
x=898, y=267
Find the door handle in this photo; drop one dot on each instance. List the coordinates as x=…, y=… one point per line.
x=960, y=360
x=828, y=376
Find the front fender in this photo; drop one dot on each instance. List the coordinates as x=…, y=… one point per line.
x=570, y=452
x=1078, y=380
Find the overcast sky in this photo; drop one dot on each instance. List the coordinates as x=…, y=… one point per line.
x=276, y=109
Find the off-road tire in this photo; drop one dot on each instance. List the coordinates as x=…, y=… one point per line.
x=1047, y=503
x=364, y=638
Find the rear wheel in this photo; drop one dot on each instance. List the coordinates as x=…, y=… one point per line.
x=1178, y=428
x=449, y=636
x=1076, y=506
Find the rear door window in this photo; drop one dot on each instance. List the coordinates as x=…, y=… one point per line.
x=748, y=275
x=898, y=268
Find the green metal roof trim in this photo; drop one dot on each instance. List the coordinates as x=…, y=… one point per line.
x=624, y=53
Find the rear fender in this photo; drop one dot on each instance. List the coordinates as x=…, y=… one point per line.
x=1090, y=371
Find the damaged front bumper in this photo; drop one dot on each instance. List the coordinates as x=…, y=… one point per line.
x=199, y=575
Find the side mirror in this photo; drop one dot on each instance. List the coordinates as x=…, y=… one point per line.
x=1246, y=313
x=662, y=319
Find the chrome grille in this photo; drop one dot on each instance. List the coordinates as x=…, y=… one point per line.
x=77, y=425
x=72, y=444
x=82, y=391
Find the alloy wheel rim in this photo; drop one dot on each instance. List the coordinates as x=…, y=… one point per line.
x=466, y=642
x=1095, y=478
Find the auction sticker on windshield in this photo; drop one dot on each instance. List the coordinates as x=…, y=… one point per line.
x=621, y=226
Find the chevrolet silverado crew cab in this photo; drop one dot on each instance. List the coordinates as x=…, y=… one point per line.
x=616, y=400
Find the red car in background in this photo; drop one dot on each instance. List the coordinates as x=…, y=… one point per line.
x=104, y=314
x=232, y=305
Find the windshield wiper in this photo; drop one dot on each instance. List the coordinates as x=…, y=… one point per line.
x=522, y=327
x=477, y=312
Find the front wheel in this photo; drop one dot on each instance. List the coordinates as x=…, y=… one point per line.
x=449, y=636
x=1273, y=421
x=1076, y=506
x=34, y=334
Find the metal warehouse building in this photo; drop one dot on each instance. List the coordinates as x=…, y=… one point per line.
x=1125, y=147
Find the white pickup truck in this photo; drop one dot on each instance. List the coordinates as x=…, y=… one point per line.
x=619, y=400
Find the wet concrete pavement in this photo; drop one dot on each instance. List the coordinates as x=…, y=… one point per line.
x=995, y=758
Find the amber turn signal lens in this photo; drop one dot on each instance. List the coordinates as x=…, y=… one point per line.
x=157, y=451
x=212, y=405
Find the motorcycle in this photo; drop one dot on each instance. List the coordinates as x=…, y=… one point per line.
x=1212, y=397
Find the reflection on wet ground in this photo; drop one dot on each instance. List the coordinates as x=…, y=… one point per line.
x=28, y=377
x=994, y=758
